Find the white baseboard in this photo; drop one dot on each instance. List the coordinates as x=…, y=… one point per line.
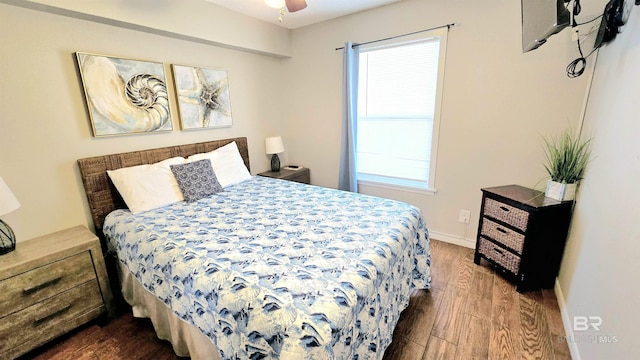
x=567, y=322
x=453, y=239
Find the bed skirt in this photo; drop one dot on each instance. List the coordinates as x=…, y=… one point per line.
x=185, y=338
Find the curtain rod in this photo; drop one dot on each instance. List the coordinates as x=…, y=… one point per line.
x=448, y=26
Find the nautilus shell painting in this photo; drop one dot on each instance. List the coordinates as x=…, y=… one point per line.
x=125, y=96
x=203, y=97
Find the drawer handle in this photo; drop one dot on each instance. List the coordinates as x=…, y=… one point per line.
x=39, y=321
x=498, y=251
x=31, y=290
x=504, y=208
x=501, y=230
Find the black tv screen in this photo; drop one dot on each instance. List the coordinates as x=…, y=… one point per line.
x=540, y=20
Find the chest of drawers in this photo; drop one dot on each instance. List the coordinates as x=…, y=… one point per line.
x=48, y=286
x=523, y=234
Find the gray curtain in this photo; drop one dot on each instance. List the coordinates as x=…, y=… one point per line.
x=347, y=178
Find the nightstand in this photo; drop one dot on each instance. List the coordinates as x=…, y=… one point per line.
x=48, y=286
x=300, y=175
x=523, y=233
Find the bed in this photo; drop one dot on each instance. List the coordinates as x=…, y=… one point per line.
x=266, y=268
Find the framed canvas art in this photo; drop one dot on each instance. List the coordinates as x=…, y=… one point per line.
x=124, y=96
x=203, y=97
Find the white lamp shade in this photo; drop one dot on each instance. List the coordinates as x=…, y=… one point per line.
x=274, y=145
x=8, y=201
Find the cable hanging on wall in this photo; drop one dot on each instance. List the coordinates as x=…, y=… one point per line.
x=614, y=17
x=578, y=66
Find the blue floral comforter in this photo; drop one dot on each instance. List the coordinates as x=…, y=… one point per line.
x=272, y=269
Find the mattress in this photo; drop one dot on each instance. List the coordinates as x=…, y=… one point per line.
x=272, y=269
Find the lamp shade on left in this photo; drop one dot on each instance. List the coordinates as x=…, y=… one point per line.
x=8, y=201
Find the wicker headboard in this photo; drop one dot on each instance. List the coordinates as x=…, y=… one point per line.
x=103, y=196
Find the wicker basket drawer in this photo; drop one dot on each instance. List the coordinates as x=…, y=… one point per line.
x=28, y=288
x=507, y=237
x=509, y=214
x=500, y=255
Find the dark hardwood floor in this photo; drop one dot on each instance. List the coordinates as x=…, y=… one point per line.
x=469, y=313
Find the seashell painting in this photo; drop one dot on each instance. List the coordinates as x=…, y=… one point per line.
x=124, y=96
x=203, y=97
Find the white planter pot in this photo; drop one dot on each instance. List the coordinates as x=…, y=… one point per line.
x=560, y=191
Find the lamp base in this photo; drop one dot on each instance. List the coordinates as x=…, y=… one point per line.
x=7, y=238
x=275, y=163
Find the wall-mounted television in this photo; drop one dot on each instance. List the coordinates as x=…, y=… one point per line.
x=540, y=20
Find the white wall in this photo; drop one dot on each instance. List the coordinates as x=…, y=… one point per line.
x=599, y=274
x=194, y=20
x=44, y=125
x=497, y=101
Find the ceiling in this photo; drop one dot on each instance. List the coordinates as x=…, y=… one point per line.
x=316, y=11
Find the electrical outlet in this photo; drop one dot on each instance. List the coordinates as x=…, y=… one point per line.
x=464, y=216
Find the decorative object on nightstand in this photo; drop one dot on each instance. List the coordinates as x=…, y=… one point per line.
x=8, y=203
x=49, y=286
x=298, y=174
x=566, y=157
x=523, y=233
x=274, y=147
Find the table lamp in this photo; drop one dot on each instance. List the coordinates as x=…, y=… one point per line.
x=8, y=203
x=274, y=147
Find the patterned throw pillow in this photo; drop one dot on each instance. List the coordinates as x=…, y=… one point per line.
x=196, y=180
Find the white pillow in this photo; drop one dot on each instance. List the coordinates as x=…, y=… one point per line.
x=227, y=164
x=146, y=187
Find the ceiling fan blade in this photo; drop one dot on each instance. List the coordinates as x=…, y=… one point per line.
x=295, y=5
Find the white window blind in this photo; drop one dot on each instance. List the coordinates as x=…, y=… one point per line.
x=398, y=105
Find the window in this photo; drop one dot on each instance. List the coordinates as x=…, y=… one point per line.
x=399, y=93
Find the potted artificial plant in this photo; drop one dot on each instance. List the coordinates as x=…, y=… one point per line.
x=566, y=159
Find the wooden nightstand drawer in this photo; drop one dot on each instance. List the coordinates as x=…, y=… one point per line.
x=28, y=288
x=48, y=318
x=48, y=286
x=301, y=175
x=511, y=215
x=503, y=235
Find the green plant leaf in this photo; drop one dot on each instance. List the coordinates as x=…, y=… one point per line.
x=566, y=157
